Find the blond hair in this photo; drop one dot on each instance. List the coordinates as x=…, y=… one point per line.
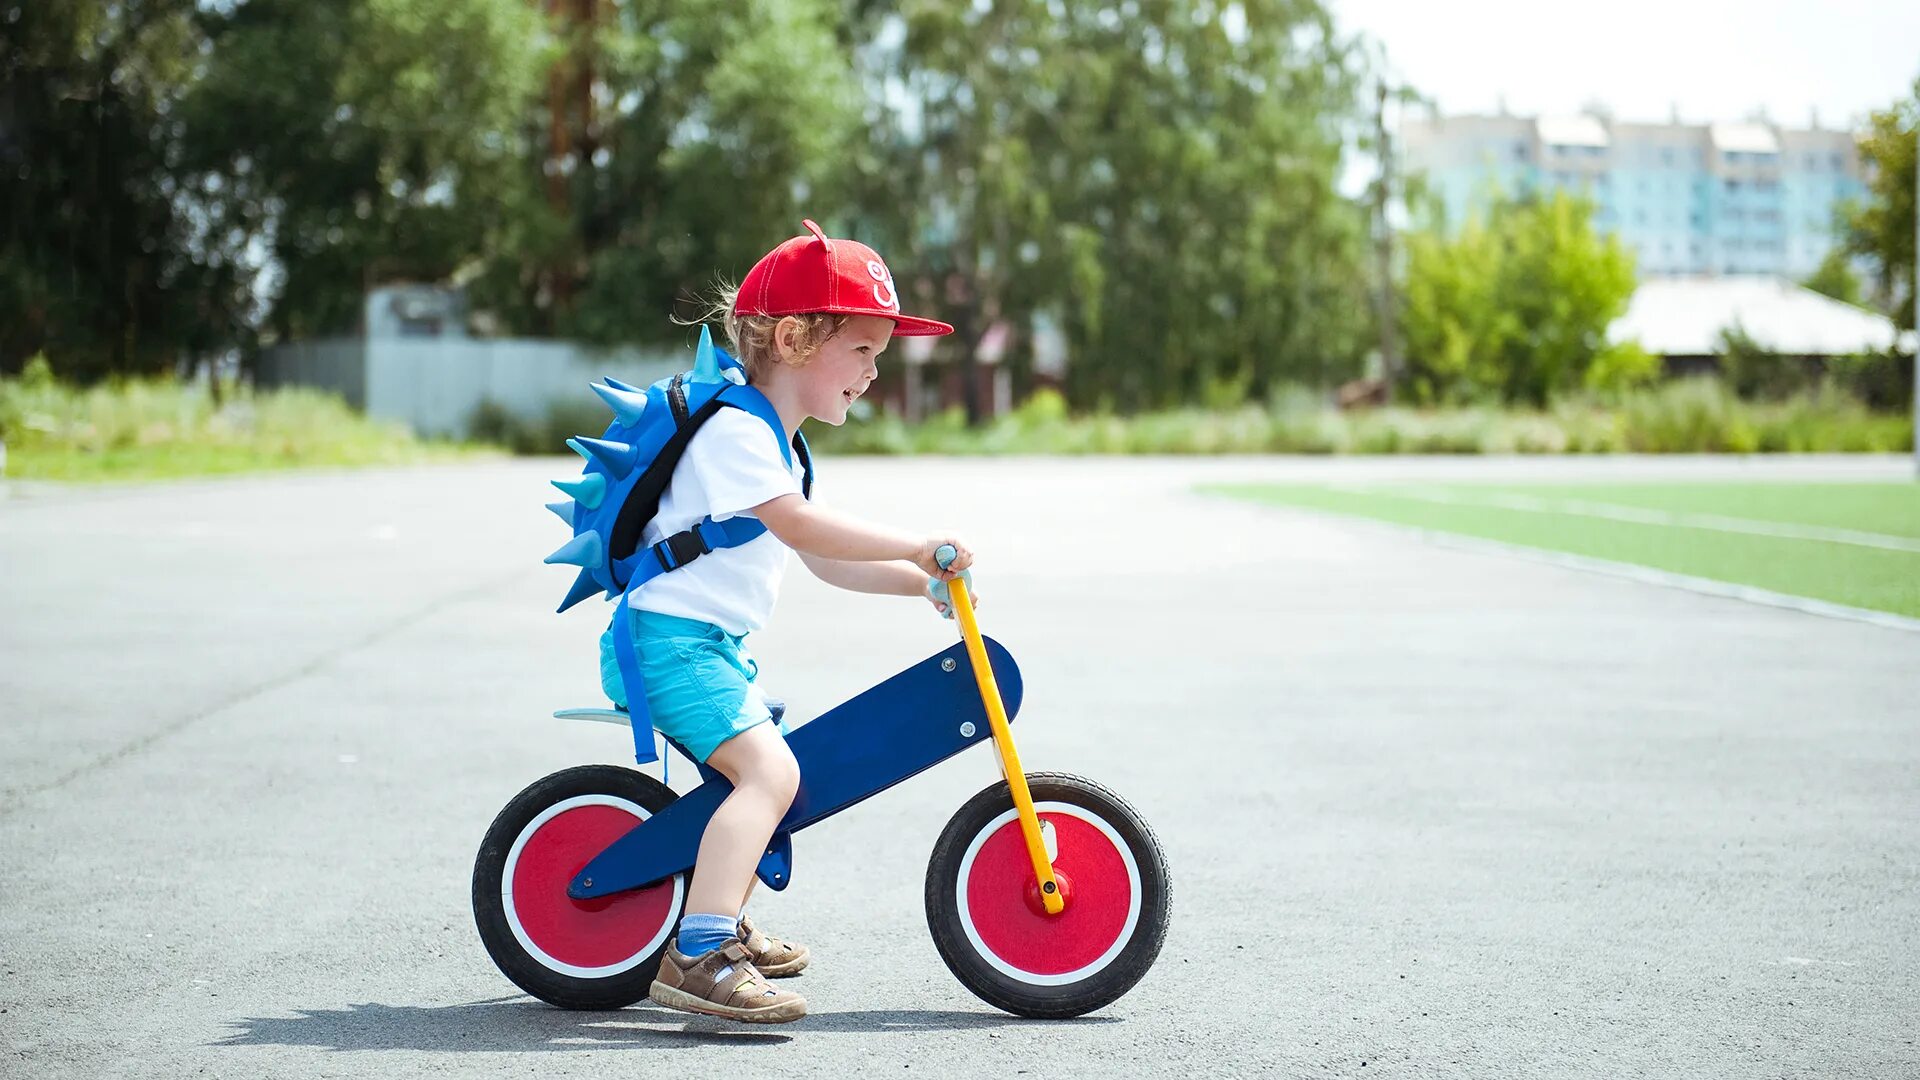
x=752, y=336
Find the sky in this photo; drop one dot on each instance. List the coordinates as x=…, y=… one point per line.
x=1712, y=59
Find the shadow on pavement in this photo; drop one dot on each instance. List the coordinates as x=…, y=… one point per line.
x=521, y=1024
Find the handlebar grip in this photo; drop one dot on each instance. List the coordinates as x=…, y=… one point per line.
x=944, y=555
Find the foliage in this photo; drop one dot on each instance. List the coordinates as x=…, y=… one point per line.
x=1834, y=279
x=95, y=265
x=494, y=424
x=149, y=428
x=1514, y=307
x=1882, y=230
x=206, y=177
x=360, y=142
x=1689, y=416
x=1878, y=380
x=1754, y=372
x=1163, y=185
x=723, y=125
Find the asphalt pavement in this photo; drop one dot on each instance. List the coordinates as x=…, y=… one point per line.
x=1428, y=811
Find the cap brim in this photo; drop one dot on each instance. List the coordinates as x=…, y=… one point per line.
x=903, y=325
x=908, y=326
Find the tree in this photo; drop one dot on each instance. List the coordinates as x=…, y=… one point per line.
x=1882, y=229
x=714, y=129
x=93, y=269
x=1163, y=183
x=356, y=142
x=1833, y=279
x=1515, y=306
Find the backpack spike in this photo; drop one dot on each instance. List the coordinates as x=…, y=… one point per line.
x=588, y=489
x=583, y=587
x=563, y=510
x=617, y=458
x=706, y=362
x=574, y=445
x=626, y=405
x=618, y=385
x=583, y=550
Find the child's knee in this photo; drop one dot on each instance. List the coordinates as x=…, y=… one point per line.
x=783, y=776
x=770, y=771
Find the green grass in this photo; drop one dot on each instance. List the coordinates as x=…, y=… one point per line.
x=1825, y=569
x=154, y=429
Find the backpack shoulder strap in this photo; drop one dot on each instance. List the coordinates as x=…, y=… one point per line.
x=806, y=465
x=750, y=399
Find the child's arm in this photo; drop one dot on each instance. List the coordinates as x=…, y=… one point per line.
x=880, y=578
x=813, y=530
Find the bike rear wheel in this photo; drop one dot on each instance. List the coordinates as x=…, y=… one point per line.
x=577, y=954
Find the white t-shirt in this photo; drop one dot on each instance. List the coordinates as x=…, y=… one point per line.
x=732, y=464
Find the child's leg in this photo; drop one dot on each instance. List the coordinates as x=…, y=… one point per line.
x=765, y=777
x=705, y=970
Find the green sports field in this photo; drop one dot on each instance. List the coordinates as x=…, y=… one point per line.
x=1849, y=543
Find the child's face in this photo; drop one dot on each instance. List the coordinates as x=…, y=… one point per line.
x=842, y=368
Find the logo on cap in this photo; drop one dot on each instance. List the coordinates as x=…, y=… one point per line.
x=883, y=293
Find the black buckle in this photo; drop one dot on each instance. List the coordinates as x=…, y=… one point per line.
x=686, y=546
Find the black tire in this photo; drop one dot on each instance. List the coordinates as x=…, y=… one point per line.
x=1130, y=952
x=548, y=979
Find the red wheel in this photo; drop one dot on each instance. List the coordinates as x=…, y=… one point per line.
x=984, y=908
x=582, y=954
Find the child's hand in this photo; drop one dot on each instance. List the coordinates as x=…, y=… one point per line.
x=941, y=594
x=930, y=566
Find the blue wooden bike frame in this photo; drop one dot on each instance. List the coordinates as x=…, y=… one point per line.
x=890, y=732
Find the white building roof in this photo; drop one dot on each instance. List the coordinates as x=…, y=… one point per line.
x=1684, y=317
x=1572, y=131
x=1744, y=138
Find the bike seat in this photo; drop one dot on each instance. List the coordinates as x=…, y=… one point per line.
x=775, y=707
x=619, y=716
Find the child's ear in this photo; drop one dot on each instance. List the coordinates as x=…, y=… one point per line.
x=787, y=343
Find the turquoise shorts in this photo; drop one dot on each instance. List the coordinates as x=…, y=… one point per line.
x=700, y=681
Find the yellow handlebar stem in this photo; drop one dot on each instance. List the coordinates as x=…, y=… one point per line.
x=1003, y=741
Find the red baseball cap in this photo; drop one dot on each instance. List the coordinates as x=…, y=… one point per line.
x=817, y=273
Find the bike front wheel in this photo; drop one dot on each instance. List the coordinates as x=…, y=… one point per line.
x=990, y=927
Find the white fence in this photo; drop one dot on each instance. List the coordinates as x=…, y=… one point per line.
x=435, y=384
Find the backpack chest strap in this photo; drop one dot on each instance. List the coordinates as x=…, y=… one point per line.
x=672, y=552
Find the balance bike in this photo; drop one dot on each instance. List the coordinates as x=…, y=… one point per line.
x=1046, y=894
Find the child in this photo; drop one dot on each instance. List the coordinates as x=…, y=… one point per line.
x=809, y=323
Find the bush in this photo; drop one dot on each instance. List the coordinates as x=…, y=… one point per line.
x=1689, y=416
x=495, y=425
x=1513, y=306
x=1881, y=381
x=1757, y=374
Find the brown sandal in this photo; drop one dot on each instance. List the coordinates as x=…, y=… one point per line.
x=776, y=959
x=723, y=983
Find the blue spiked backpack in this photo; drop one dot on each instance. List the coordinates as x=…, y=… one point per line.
x=618, y=492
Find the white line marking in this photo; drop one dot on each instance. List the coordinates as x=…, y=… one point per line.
x=1641, y=516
